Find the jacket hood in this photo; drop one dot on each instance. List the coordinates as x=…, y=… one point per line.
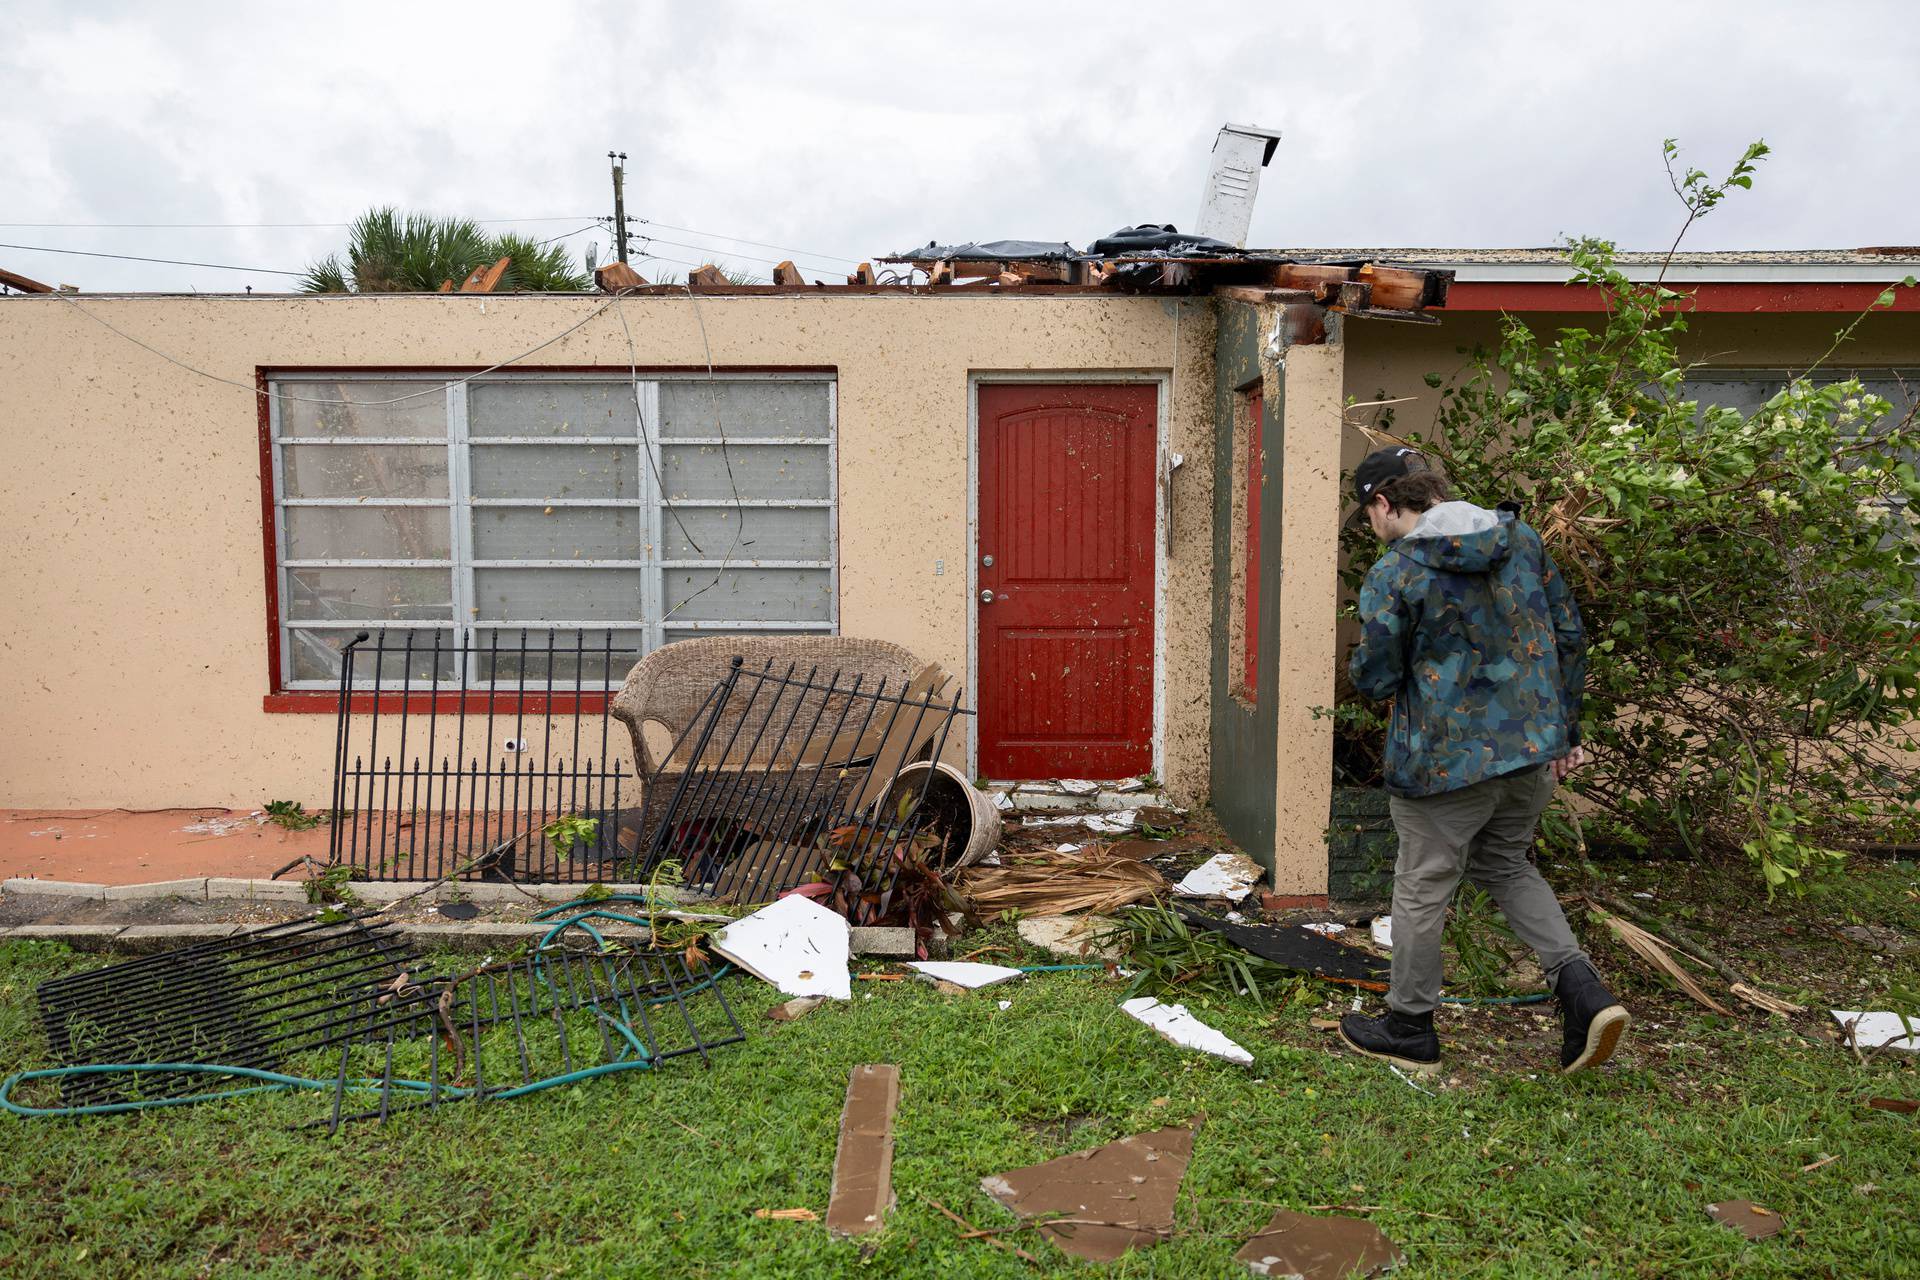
x=1459, y=537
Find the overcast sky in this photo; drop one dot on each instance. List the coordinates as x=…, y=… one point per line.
x=852, y=130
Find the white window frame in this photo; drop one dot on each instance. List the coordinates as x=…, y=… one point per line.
x=460, y=502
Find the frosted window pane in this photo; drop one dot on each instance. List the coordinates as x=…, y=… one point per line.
x=364, y=471
x=557, y=595
x=759, y=471
x=745, y=408
x=529, y=660
x=550, y=409
x=367, y=533
x=544, y=472
x=765, y=533
x=353, y=408
x=565, y=533
x=316, y=656
x=398, y=594
x=749, y=595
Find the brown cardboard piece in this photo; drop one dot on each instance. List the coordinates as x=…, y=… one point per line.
x=1319, y=1248
x=1111, y=1198
x=1754, y=1221
x=863, y=1165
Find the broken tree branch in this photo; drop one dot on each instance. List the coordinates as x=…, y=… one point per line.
x=1685, y=943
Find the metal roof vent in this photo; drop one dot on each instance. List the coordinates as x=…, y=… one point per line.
x=1240, y=152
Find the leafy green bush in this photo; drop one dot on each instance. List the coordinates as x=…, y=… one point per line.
x=1747, y=579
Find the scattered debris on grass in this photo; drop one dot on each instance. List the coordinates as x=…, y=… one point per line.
x=795, y=1009
x=1648, y=948
x=1226, y=875
x=1059, y=883
x=1319, y=1248
x=1099, y=1203
x=1109, y=824
x=1870, y=1031
x=1755, y=1222
x=1899, y=1106
x=1301, y=949
x=964, y=973
x=787, y=1215
x=1325, y=928
x=1071, y=936
x=797, y=945
x=1382, y=932
x=459, y=910
x=863, y=1162
x=1174, y=1023
x=991, y=1237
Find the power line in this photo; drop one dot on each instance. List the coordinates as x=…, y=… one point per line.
x=173, y=262
x=750, y=257
x=237, y=226
x=762, y=244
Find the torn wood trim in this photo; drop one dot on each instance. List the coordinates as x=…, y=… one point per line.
x=940, y=273
x=862, y=275
x=1260, y=294
x=615, y=276
x=863, y=1163
x=485, y=279
x=787, y=275
x=1387, y=313
x=23, y=283
x=708, y=276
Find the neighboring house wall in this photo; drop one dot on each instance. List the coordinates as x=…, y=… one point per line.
x=1272, y=781
x=1244, y=743
x=136, y=652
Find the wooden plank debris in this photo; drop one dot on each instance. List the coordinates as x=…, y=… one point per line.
x=863, y=1164
x=788, y=276
x=708, y=276
x=615, y=276
x=485, y=279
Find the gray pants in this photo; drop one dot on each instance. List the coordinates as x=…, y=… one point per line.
x=1484, y=832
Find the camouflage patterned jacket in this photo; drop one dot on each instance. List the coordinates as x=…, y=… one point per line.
x=1470, y=630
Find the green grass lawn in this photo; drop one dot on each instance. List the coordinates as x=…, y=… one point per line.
x=1507, y=1170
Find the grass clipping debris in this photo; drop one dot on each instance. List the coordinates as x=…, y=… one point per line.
x=1059, y=883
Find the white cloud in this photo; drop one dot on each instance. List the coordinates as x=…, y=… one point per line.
x=856, y=129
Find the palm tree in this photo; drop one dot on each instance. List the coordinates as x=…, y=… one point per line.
x=416, y=253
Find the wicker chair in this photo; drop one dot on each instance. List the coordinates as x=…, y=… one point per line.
x=666, y=690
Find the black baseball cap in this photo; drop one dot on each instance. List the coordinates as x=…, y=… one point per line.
x=1383, y=466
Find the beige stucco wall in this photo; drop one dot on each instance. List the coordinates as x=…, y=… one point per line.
x=135, y=650
x=1309, y=464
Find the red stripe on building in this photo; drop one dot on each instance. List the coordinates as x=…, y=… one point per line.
x=1727, y=296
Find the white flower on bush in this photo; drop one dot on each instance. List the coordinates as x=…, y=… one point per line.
x=1679, y=477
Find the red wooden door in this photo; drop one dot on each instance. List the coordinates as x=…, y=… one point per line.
x=1067, y=553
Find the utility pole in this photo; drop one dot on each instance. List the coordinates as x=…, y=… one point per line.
x=619, y=202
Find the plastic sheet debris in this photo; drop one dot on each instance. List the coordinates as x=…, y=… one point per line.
x=1325, y=928
x=1174, y=1023
x=1319, y=1248
x=1383, y=932
x=1225, y=875
x=863, y=1162
x=1101, y=1202
x=1879, y=1030
x=797, y=945
x=1754, y=1221
x=1300, y=948
x=964, y=973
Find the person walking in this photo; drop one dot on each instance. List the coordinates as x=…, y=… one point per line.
x=1468, y=628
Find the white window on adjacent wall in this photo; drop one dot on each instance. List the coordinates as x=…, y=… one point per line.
x=582, y=508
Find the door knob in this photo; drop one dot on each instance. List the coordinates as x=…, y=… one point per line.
x=986, y=597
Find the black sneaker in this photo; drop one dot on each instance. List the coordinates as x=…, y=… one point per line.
x=1404, y=1039
x=1592, y=1019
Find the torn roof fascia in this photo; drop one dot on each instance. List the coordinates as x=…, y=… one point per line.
x=1737, y=266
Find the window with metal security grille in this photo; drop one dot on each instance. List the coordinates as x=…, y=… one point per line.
x=604, y=512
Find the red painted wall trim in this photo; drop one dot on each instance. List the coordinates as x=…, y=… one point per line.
x=316, y=702
x=1727, y=296
x=269, y=535
x=460, y=370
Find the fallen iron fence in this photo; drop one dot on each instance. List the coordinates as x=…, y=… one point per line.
x=786, y=778
x=270, y=1009
x=453, y=760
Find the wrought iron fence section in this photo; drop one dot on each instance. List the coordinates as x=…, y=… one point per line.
x=463, y=779
x=788, y=777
